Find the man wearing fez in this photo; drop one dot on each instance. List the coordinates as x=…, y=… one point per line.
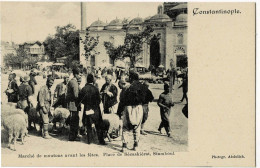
x=89, y=96
x=133, y=100
x=72, y=104
x=109, y=95
x=44, y=105
x=24, y=94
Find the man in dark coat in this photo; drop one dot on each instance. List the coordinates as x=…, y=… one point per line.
x=133, y=100
x=89, y=96
x=184, y=86
x=109, y=95
x=24, y=94
x=72, y=104
x=12, y=90
x=32, y=81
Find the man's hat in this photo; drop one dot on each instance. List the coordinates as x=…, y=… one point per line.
x=50, y=79
x=166, y=86
x=66, y=76
x=26, y=78
x=75, y=71
x=146, y=83
x=21, y=79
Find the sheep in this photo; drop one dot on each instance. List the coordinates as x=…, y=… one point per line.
x=112, y=126
x=60, y=115
x=11, y=110
x=15, y=125
x=34, y=117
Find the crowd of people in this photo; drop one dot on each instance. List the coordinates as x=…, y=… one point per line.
x=132, y=106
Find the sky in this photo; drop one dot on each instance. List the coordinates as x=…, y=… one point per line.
x=31, y=21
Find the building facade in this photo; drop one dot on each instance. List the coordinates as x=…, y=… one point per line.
x=171, y=46
x=34, y=49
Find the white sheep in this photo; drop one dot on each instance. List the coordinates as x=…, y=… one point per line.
x=15, y=125
x=112, y=126
x=11, y=110
x=60, y=115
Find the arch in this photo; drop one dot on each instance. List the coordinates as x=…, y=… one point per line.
x=179, y=50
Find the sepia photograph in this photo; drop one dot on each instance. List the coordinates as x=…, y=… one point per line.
x=76, y=76
x=105, y=84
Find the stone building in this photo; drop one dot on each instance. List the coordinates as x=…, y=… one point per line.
x=171, y=46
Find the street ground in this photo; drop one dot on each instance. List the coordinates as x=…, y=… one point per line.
x=152, y=142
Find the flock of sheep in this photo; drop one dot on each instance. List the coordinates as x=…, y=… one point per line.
x=15, y=122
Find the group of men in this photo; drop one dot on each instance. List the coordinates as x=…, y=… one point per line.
x=132, y=107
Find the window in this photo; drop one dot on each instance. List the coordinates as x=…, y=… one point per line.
x=180, y=38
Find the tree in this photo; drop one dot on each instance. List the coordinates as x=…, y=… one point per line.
x=90, y=43
x=65, y=42
x=22, y=56
x=132, y=47
x=114, y=52
x=133, y=44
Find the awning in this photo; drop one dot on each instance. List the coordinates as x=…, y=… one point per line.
x=180, y=6
x=161, y=66
x=58, y=64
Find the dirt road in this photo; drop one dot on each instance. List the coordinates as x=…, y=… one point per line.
x=153, y=141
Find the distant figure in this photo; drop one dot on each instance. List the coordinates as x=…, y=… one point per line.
x=184, y=86
x=165, y=103
x=32, y=81
x=109, y=95
x=118, y=74
x=12, y=89
x=99, y=73
x=104, y=72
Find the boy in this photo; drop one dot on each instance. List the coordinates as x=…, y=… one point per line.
x=165, y=103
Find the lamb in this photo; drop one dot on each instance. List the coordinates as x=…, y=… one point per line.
x=15, y=125
x=60, y=115
x=112, y=126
